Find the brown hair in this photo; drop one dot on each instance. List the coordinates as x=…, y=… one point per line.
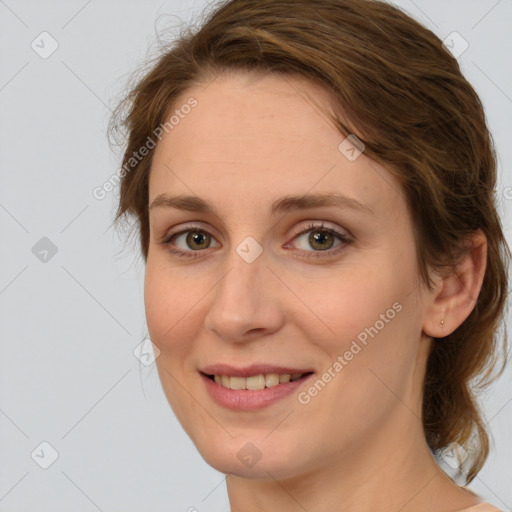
x=406, y=99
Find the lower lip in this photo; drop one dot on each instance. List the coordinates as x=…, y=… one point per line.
x=249, y=400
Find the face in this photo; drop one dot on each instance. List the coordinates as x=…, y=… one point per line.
x=264, y=274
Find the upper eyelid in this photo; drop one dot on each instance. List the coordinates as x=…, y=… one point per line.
x=311, y=224
x=168, y=236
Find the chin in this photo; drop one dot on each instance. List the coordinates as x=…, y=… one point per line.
x=248, y=459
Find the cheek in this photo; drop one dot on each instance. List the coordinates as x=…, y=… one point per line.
x=367, y=319
x=170, y=312
x=374, y=353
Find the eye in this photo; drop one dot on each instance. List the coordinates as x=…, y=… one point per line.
x=320, y=239
x=190, y=242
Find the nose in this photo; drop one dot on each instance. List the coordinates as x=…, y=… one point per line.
x=246, y=302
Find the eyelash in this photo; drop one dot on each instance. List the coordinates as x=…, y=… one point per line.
x=309, y=254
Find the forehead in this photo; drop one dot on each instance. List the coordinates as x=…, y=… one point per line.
x=259, y=113
x=261, y=134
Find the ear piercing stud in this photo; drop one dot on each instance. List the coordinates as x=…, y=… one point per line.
x=442, y=322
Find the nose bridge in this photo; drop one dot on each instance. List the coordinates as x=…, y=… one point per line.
x=242, y=300
x=238, y=289
x=239, y=282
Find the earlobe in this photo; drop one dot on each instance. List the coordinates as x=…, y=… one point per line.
x=455, y=294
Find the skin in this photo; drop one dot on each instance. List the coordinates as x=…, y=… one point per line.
x=358, y=445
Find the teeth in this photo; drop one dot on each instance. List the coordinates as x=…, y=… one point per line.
x=256, y=382
x=271, y=380
x=237, y=382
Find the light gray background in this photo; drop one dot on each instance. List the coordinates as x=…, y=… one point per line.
x=69, y=325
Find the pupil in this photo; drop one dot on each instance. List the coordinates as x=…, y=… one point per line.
x=196, y=238
x=320, y=237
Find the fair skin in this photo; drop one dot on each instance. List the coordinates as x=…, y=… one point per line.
x=358, y=445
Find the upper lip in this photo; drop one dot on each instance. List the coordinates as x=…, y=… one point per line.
x=248, y=371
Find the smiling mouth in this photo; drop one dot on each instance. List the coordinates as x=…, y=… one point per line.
x=256, y=382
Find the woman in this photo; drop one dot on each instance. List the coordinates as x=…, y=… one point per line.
x=313, y=184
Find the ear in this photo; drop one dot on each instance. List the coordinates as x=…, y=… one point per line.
x=454, y=296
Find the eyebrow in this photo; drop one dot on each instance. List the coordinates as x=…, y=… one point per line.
x=282, y=205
